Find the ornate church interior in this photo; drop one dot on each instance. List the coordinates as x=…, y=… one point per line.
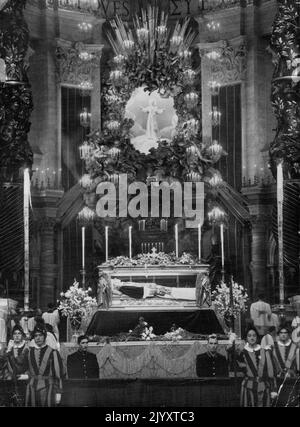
x=150, y=166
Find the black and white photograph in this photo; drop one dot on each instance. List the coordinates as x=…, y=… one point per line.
x=149, y=206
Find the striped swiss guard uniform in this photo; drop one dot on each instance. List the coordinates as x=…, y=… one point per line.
x=285, y=357
x=45, y=376
x=259, y=368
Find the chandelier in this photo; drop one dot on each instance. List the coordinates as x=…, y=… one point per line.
x=215, y=115
x=114, y=152
x=215, y=150
x=113, y=125
x=214, y=87
x=193, y=177
x=85, y=26
x=191, y=100
x=189, y=76
x=216, y=181
x=86, y=85
x=86, y=215
x=216, y=216
x=85, y=118
x=86, y=181
x=117, y=77
x=85, y=151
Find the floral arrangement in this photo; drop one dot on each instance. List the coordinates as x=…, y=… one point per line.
x=148, y=334
x=77, y=304
x=160, y=258
x=176, y=335
x=157, y=59
x=222, y=299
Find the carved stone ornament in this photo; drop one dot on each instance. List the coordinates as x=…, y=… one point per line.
x=76, y=61
x=231, y=65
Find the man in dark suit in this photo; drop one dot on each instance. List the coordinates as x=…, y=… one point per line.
x=212, y=364
x=82, y=364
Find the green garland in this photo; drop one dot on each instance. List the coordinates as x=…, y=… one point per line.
x=167, y=74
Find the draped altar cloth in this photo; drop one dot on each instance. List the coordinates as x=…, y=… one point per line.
x=146, y=360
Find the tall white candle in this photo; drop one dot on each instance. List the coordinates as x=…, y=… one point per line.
x=26, y=194
x=106, y=243
x=199, y=242
x=83, y=247
x=280, y=196
x=130, y=242
x=222, y=249
x=176, y=240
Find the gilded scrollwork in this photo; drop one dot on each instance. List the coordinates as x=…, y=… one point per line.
x=284, y=47
x=76, y=61
x=230, y=64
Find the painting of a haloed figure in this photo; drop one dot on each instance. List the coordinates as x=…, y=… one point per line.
x=154, y=119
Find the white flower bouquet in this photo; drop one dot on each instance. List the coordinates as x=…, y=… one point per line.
x=148, y=334
x=77, y=304
x=222, y=299
x=176, y=335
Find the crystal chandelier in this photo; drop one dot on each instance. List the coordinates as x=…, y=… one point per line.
x=215, y=115
x=215, y=150
x=85, y=118
x=86, y=85
x=114, y=152
x=185, y=56
x=216, y=181
x=86, y=215
x=113, y=125
x=86, y=181
x=85, y=151
x=189, y=76
x=119, y=59
x=216, y=216
x=128, y=46
x=191, y=100
x=193, y=177
x=85, y=26
x=176, y=42
x=214, y=87
x=117, y=77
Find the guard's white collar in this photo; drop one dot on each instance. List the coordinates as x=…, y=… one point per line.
x=19, y=345
x=284, y=344
x=37, y=347
x=252, y=349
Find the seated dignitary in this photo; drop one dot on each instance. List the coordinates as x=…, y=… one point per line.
x=82, y=364
x=212, y=363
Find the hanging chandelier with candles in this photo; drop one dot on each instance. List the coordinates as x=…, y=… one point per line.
x=159, y=59
x=217, y=215
x=86, y=216
x=215, y=115
x=85, y=118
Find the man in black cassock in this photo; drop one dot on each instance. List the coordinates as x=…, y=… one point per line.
x=212, y=364
x=82, y=364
